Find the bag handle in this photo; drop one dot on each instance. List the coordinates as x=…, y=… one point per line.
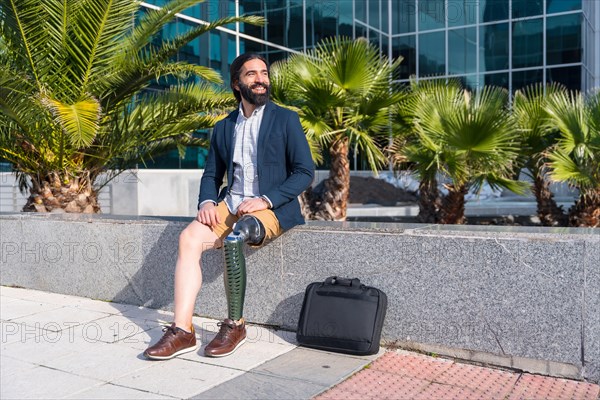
x=335, y=280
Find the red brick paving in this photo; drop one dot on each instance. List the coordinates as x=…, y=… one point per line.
x=412, y=376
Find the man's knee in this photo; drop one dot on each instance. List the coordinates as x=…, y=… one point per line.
x=197, y=237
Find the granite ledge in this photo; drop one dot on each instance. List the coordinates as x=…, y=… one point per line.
x=340, y=226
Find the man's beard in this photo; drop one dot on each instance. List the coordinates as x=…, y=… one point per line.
x=257, y=99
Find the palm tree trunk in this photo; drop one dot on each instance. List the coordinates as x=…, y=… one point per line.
x=429, y=202
x=67, y=194
x=549, y=213
x=307, y=203
x=453, y=206
x=586, y=211
x=337, y=187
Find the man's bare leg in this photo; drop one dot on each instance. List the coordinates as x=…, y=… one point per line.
x=193, y=241
x=180, y=337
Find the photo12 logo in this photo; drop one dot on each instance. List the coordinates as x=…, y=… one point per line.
x=71, y=252
x=53, y=332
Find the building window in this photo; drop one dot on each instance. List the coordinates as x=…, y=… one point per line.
x=404, y=15
x=432, y=15
x=469, y=82
x=432, y=53
x=568, y=76
x=405, y=46
x=360, y=10
x=500, y=80
x=527, y=43
x=563, y=39
x=461, y=12
x=374, y=14
x=526, y=8
x=462, y=51
x=493, y=10
x=555, y=6
x=520, y=79
x=493, y=47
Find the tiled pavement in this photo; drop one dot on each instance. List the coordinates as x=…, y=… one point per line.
x=58, y=346
x=404, y=375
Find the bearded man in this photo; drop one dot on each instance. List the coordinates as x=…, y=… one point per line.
x=262, y=150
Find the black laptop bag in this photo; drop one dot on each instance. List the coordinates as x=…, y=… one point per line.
x=342, y=315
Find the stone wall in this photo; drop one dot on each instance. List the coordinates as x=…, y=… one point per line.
x=525, y=298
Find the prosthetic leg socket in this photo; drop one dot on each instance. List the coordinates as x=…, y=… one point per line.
x=247, y=229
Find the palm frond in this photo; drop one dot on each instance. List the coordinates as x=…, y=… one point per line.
x=21, y=33
x=169, y=48
x=567, y=111
x=575, y=158
x=97, y=26
x=564, y=168
x=151, y=22
x=80, y=121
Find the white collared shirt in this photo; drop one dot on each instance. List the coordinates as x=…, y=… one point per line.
x=245, y=174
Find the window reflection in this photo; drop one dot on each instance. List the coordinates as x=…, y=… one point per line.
x=521, y=79
x=493, y=10
x=403, y=16
x=360, y=10
x=374, y=14
x=526, y=8
x=431, y=15
x=493, y=47
x=432, y=54
x=527, y=43
x=568, y=76
x=469, y=82
x=405, y=47
x=563, y=39
x=554, y=6
x=500, y=80
x=461, y=12
x=462, y=51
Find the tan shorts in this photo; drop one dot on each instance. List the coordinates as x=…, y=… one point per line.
x=266, y=217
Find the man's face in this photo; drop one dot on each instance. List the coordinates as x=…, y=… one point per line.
x=254, y=85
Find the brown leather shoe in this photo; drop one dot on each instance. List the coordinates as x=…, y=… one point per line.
x=229, y=338
x=174, y=342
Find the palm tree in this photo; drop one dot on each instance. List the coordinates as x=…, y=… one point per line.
x=412, y=151
x=465, y=137
x=343, y=93
x=73, y=93
x=575, y=158
x=531, y=120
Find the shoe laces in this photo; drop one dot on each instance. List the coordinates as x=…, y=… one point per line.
x=170, y=328
x=224, y=329
x=167, y=329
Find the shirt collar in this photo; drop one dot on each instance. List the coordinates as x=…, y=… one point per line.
x=256, y=111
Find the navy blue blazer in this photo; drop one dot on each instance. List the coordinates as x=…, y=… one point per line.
x=285, y=167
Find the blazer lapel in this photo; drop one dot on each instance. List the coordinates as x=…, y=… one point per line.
x=229, y=133
x=265, y=129
x=229, y=144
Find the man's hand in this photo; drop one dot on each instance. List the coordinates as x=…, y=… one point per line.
x=207, y=215
x=252, y=205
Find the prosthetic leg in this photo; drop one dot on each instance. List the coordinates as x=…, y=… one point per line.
x=232, y=333
x=247, y=229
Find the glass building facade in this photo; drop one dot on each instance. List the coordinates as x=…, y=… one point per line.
x=508, y=43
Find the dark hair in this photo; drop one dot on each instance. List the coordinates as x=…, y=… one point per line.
x=236, y=66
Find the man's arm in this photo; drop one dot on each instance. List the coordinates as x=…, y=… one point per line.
x=214, y=170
